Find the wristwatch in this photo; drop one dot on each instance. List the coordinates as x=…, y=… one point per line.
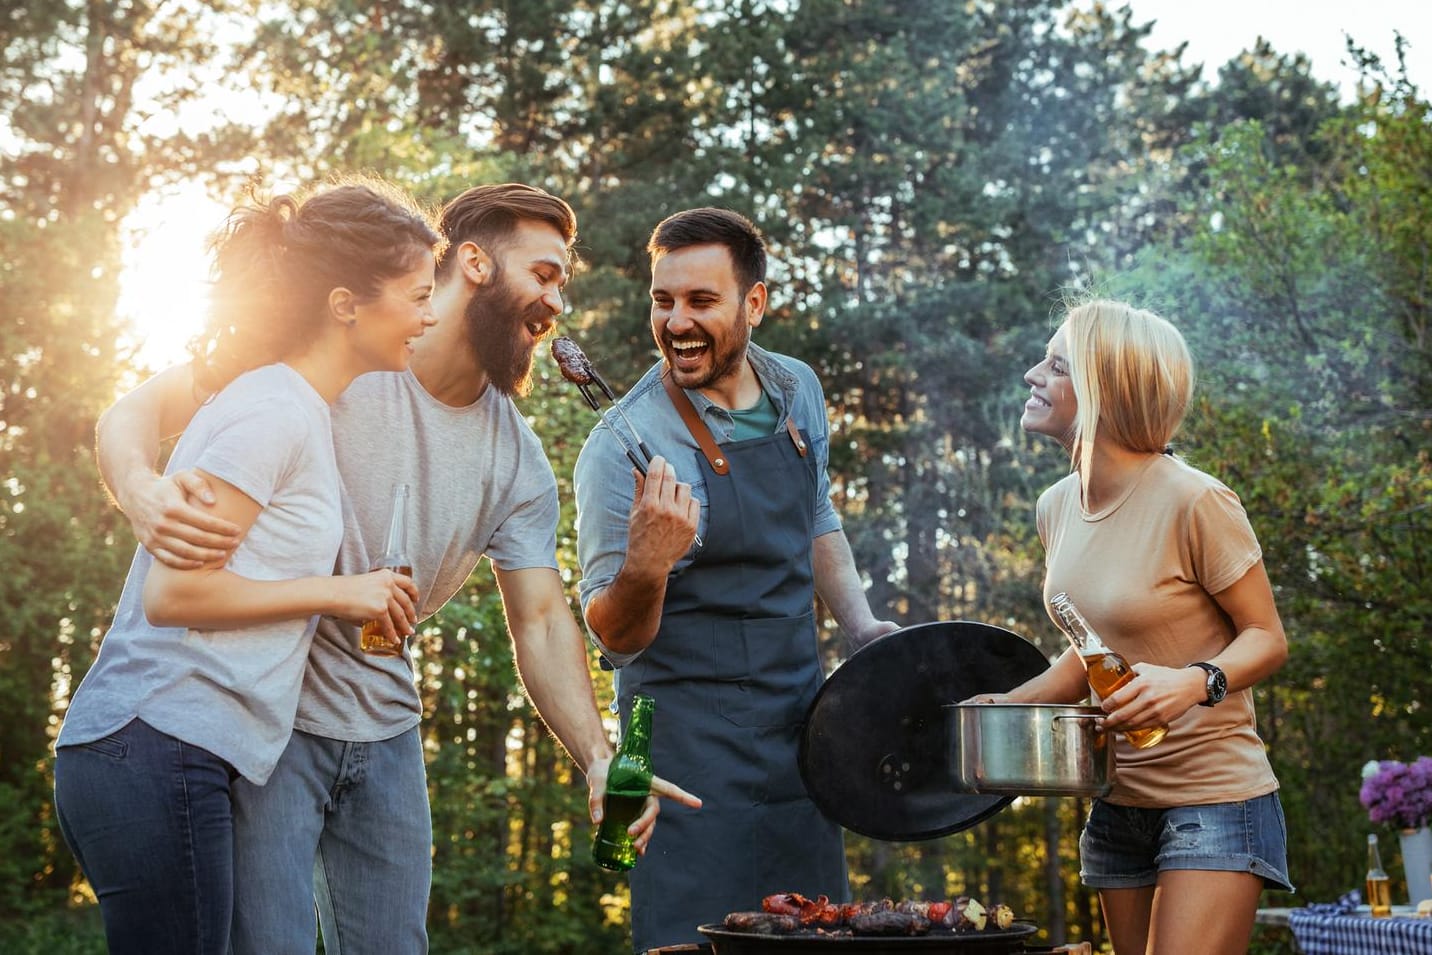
x=1217, y=683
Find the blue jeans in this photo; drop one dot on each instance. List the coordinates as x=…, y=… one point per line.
x=149, y=818
x=1123, y=847
x=343, y=824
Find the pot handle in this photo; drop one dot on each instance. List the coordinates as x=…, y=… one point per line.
x=1098, y=733
x=1082, y=948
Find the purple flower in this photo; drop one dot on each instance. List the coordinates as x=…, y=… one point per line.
x=1398, y=793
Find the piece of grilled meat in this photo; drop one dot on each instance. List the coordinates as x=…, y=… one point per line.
x=574, y=364
x=762, y=923
x=890, y=922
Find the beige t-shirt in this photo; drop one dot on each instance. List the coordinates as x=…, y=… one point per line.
x=1143, y=571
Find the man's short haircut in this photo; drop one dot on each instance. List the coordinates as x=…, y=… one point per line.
x=712, y=226
x=488, y=215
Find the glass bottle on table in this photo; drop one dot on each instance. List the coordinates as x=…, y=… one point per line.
x=1379, y=886
x=628, y=785
x=395, y=557
x=1106, y=670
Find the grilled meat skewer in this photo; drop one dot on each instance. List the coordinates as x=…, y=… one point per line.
x=577, y=368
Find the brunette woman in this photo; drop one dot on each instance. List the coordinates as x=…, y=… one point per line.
x=197, y=680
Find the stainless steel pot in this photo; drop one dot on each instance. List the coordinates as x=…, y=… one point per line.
x=1029, y=749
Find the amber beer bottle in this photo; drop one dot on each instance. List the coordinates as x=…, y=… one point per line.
x=628, y=784
x=395, y=556
x=1107, y=670
x=1379, y=886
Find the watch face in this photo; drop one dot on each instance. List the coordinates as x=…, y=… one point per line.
x=1217, y=686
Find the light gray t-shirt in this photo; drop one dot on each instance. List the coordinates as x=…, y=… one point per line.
x=480, y=484
x=231, y=692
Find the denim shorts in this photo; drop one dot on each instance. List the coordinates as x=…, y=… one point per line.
x=1124, y=847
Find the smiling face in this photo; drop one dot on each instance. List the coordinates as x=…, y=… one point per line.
x=700, y=319
x=384, y=327
x=509, y=315
x=1051, y=406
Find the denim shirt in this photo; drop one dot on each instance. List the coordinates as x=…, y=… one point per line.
x=603, y=480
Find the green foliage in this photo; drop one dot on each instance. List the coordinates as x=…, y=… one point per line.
x=931, y=176
x=55, y=932
x=57, y=533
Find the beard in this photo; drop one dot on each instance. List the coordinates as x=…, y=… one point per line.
x=496, y=323
x=728, y=354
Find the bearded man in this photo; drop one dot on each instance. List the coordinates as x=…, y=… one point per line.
x=344, y=820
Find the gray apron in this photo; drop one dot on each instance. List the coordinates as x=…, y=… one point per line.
x=733, y=670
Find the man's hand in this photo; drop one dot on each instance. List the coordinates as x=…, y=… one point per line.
x=645, y=824
x=875, y=631
x=664, y=517
x=169, y=517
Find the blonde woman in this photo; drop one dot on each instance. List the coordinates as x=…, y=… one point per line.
x=1161, y=559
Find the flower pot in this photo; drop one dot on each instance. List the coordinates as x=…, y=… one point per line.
x=1417, y=862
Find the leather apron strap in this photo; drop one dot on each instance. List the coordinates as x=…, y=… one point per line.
x=696, y=426
x=709, y=448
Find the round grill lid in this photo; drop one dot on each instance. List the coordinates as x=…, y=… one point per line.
x=875, y=755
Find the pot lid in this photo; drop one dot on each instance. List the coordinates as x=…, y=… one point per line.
x=875, y=755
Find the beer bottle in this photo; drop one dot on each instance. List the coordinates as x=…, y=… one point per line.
x=395, y=556
x=1379, y=887
x=1107, y=670
x=628, y=784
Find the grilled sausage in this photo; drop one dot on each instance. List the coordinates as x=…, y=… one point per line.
x=889, y=923
x=762, y=923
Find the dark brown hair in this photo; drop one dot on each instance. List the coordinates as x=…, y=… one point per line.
x=487, y=215
x=711, y=226
x=276, y=261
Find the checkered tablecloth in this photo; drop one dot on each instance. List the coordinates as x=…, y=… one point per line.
x=1339, y=929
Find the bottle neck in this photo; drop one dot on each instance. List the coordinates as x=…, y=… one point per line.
x=396, y=544
x=636, y=741
x=1374, y=857
x=1086, y=642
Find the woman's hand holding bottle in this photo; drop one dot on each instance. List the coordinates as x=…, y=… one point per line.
x=1156, y=697
x=386, y=596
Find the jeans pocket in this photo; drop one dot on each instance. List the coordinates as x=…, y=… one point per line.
x=111, y=746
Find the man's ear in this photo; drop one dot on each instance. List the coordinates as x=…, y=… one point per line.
x=756, y=304
x=343, y=305
x=476, y=265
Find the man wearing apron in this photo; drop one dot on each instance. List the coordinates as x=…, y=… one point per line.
x=699, y=579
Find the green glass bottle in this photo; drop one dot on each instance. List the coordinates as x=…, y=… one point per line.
x=628, y=784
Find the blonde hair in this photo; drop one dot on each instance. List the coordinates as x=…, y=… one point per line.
x=1132, y=375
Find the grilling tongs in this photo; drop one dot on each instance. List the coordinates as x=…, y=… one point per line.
x=577, y=368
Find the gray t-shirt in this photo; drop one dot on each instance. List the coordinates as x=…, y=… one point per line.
x=481, y=484
x=232, y=692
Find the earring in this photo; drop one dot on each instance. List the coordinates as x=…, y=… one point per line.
x=351, y=323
